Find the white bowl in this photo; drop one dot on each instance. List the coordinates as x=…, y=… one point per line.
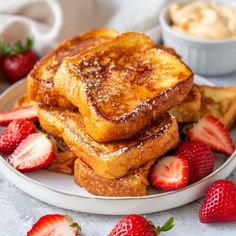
x=206, y=57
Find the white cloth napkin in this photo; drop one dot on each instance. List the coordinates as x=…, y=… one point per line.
x=51, y=21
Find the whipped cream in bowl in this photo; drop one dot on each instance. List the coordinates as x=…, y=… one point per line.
x=204, y=20
x=203, y=33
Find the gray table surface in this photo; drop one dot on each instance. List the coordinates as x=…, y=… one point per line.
x=19, y=211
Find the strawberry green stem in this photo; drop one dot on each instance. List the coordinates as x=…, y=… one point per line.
x=234, y=181
x=18, y=48
x=184, y=130
x=169, y=224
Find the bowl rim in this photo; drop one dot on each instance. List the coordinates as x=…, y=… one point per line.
x=166, y=26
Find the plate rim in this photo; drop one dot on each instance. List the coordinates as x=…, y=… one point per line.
x=110, y=198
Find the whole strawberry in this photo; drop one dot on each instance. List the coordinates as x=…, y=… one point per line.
x=13, y=134
x=136, y=225
x=17, y=62
x=219, y=204
x=200, y=158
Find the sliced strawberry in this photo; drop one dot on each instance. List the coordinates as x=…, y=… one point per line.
x=213, y=133
x=34, y=152
x=13, y=134
x=55, y=225
x=200, y=158
x=23, y=113
x=169, y=173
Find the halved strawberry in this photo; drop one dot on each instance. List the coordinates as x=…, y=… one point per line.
x=213, y=133
x=34, y=152
x=23, y=113
x=55, y=224
x=169, y=173
x=13, y=134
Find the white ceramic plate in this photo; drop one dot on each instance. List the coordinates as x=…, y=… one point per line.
x=60, y=190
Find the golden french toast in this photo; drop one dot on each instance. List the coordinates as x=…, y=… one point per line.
x=63, y=162
x=123, y=85
x=113, y=159
x=189, y=110
x=24, y=101
x=219, y=102
x=40, y=80
x=133, y=184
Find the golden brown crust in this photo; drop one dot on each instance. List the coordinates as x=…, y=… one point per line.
x=167, y=49
x=63, y=162
x=189, y=110
x=114, y=159
x=122, y=85
x=133, y=184
x=40, y=80
x=24, y=101
x=219, y=102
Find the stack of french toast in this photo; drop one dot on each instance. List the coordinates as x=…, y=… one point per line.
x=112, y=103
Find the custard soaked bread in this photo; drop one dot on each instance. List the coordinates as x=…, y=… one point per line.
x=114, y=159
x=133, y=184
x=40, y=80
x=219, y=102
x=189, y=110
x=123, y=85
x=24, y=101
x=63, y=162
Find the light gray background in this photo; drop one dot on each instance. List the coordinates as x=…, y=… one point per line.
x=18, y=211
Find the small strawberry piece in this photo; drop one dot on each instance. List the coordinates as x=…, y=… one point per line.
x=200, y=158
x=137, y=225
x=169, y=173
x=219, y=204
x=56, y=225
x=16, y=62
x=13, y=134
x=213, y=133
x=34, y=152
x=23, y=113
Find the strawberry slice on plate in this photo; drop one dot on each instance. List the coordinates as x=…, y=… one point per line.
x=13, y=134
x=56, y=225
x=213, y=133
x=23, y=113
x=34, y=152
x=170, y=173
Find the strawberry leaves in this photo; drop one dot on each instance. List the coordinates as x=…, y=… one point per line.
x=166, y=227
x=18, y=48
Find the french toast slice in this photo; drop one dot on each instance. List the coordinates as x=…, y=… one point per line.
x=24, y=101
x=133, y=184
x=123, y=85
x=63, y=162
x=113, y=159
x=219, y=102
x=40, y=80
x=189, y=110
